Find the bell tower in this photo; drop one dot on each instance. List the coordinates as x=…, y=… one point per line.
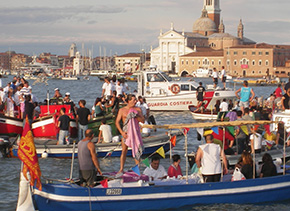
x=213, y=10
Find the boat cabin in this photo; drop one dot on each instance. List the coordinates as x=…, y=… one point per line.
x=157, y=83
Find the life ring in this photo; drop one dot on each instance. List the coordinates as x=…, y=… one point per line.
x=175, y=89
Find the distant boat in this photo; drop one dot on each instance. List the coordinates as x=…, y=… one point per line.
x=70, y=78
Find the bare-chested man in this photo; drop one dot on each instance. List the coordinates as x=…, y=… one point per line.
x=122, y=115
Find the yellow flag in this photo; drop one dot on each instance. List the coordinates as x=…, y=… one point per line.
x=161, y=152
x=244, y=128
x=207, y=132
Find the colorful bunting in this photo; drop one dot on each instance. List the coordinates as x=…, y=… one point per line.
x=200, y=130
x=215, y=130
x=136, y=169
x=146, y=162
x=267, y=128
x=173, y=141
x=244, y=128
x=104, y=183
x=185, y=130
x=207, y=132
x=231, y=129
x=27, y=154
x=161, y=152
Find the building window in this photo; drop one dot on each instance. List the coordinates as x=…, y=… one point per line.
x=212, y=62
x=186, y=62
x=260, y=72
x=220, y=62
x=244, y=53
x=228, y=62
x=228, y=53
x=182, y=62
x=192, y=62
x=276, y=72
x=253, y=63
x=267, y=63
x=260, y=62
x=198, y=62
x=235, y=53
x=260, y=53
x=267, y=53
x=235, y=62
x=253, y=53
x=253, y=72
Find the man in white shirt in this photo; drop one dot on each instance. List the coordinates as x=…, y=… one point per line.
x=107, y=88
x=224, y=76
x=144, y=107
x=155, y=171
x=224, y=106
x=119, y=88
x=256, y=140
x=105, y=132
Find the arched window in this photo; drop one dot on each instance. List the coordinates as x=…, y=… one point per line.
x=260, y=62
x=253, y=63
x=267, y=63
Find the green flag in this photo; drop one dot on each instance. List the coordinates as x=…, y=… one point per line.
x=146, y=162
x=231, y=130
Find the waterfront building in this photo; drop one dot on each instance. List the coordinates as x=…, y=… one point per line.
x=208, y=31
x=132, y=62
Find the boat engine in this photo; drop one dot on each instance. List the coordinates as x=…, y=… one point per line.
x=5, y=147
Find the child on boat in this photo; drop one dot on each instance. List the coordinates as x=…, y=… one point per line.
x=105, y=132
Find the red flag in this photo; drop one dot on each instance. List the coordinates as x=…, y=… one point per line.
x=185, y=130
x=27, y=154
x=104, y=183
x=173, y=141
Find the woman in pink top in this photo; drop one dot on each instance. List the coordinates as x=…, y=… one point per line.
x=174, y=170
x=278, y=91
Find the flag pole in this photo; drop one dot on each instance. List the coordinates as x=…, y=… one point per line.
x=72, y=160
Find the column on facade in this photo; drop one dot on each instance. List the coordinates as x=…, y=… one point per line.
x=167, y=57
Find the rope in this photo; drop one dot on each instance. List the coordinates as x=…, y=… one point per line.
x=90, y=202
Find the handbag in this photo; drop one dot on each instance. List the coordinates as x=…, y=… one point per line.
x=238, y=175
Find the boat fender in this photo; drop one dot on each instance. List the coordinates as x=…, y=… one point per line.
x=44, y=154
x=175, y=89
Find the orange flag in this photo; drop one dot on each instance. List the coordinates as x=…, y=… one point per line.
x=173, y=141
x=27, y=154
x=104, y=183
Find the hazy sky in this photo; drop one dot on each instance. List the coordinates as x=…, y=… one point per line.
x=123, y=26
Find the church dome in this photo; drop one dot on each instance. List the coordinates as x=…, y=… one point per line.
x=204, y=24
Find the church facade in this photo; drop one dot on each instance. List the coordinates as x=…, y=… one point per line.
x=208, y=32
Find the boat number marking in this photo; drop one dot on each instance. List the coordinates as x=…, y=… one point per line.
x=114, y=192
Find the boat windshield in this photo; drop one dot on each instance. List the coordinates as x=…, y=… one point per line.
x=166, y=76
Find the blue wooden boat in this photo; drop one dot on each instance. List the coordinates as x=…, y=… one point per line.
x=151, y=144
x=60, y=197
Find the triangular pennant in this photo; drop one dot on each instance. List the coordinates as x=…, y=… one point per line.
x=244, y=128
x=215, y=130
x=146, y=162
x=161, y=152
x=267, y=128
x=207, y=132
x=136, y=169
x=231, y=129
x=173, y=141
x=200, y=130
x=104, y=183
x=185, y=130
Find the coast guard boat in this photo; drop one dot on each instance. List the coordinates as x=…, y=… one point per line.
x=164, y=94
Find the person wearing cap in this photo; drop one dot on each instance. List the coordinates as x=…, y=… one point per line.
x=33, y=97
x=68, y=101
x=57, y=94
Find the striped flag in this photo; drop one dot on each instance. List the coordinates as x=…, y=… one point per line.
x=27, y=154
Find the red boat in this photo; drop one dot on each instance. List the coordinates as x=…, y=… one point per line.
x=46, y=124
x=10, y=126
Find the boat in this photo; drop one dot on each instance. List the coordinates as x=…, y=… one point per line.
x=70, y=78
x=257, y=82
x=95, y=123
x=205, y=115
x=171, y=193
x=10, y=126
x=151, y=144
x=202, y=73
x=164, y=94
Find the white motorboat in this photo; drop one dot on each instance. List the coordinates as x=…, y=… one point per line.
x=164, y=94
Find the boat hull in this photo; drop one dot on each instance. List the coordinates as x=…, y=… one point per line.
x=180, y=102
x=10, y=126
x=151, y=144
x=72, y=197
